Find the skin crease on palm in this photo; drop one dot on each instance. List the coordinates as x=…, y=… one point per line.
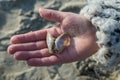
x=32, y=48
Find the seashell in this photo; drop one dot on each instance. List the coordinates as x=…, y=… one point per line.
x=61, y=42
x=50, y=42
x=57, y=45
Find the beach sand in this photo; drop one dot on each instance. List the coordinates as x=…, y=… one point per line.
x=21, y=16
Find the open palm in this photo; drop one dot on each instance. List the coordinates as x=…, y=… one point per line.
x=32, y=46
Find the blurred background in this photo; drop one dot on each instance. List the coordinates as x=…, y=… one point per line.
x=21, y=16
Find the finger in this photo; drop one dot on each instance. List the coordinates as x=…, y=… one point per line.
x=55, y=31
x=52, y=15
x=51, y=60
x=46, y=61
x=29, y=37
x=27, y=47
x=25, y=55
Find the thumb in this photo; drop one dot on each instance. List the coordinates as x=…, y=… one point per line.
x=52, y=15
